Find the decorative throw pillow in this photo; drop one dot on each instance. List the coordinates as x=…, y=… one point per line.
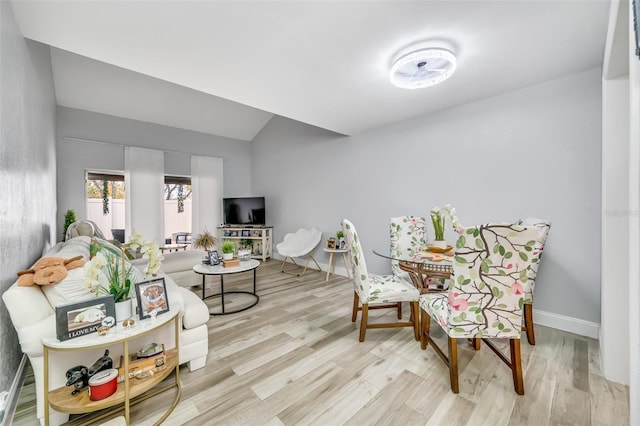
x=71, y=289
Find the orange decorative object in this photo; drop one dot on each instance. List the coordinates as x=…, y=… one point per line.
x=48, y=270
x=436, y=249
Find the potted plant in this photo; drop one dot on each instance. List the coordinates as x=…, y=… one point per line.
x=227, y=250
x=111, y=263
x=246, y=243
x=69, y=218
x=205, y=240
x=438, y=220
x=340, y=244
x=119, y=275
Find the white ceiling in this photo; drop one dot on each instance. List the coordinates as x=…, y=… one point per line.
x=323, y=63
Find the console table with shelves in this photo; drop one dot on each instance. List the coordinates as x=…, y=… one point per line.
x=130, y=390
x=260, y=238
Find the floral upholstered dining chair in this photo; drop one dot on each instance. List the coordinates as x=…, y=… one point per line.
x=377, y=291
x=543, y=227
x=407, y=236
x=491, y=265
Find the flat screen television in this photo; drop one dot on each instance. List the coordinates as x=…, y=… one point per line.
x=244, y=211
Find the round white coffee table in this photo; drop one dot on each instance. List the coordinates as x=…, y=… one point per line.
x=245, y=266
x=332, y=261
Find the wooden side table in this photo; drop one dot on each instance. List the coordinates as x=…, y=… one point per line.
x=332, y=261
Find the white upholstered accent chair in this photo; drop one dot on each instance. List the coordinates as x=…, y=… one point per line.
x=299, y=244
x=543, y=227
x=485, y=297
x=377, y=291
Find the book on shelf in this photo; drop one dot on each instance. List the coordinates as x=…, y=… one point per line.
x=231, y=262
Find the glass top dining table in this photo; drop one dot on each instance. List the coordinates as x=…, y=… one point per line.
x=427, y=269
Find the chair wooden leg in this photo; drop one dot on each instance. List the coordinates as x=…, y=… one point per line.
x=528, y=323
x=363, y=321
x=475, y=343
x=356, y=300
x=453, y=364
x=415, y=313
x=399, y=310
x=425, y=323
x=516, y=366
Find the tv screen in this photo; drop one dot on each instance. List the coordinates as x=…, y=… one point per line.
x=244, y=211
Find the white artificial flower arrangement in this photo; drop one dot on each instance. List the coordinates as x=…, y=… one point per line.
x=118, y=272
x=438, y=220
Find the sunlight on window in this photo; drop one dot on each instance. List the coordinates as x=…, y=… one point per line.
x=105, y=203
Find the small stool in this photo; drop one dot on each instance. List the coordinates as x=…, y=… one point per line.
x=332, y=261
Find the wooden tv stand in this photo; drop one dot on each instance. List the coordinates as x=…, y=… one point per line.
x=260, y=238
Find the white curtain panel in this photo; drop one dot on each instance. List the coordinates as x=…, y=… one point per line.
x=144, y=186
x=206, y=194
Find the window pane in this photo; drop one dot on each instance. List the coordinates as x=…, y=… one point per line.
x=177, y=210
x=106, y=203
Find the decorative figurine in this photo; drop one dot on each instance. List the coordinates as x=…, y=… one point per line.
x=77, y=376
x=109, y=321
x=102, y=363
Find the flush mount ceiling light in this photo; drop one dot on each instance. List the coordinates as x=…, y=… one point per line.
x=423, y=68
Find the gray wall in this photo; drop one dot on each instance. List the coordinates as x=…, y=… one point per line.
x=76, y=156
x=27, y=168
x=530, y=152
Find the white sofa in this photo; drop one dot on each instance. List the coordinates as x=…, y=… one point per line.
x=179, y=266
x=32, y=311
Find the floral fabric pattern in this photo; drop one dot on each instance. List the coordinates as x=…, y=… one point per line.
x=491, y=265
x=543, y=227
x=372, y=288
x=407, y=236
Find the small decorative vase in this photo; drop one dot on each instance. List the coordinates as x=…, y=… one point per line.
x=123, y=310
x=439, y=243
x=227, y=256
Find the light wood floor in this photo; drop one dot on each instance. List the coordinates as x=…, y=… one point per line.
x=295, y=359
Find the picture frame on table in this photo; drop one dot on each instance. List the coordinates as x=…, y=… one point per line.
x=81, y=318
x=152, y=297
x=214, y=258
x=257, y=233
x=331, y=243
x=246, y=233
x=234, y=233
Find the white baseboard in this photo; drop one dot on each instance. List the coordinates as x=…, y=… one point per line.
x=338, y=270
x=570, y=324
